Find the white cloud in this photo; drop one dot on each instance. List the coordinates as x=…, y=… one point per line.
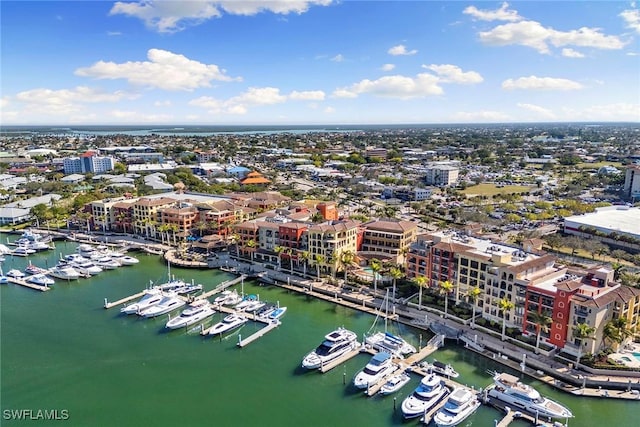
x=620, y=112
x=387, y=67
x=329, y=110
x=544, y=112
x=570, y=53
x=253, y=97
x=338, y=58
x=540, y=83
x=309, y=95
x=632, y=18
x=632, y=54
x=4, y=102
x=173, y=16
x=532, y=34
x=164, y=70
x=401, y=50
x=502, y=14
x=66, y=101
x=165, y=103
x=480, y=117
x=397, y=86
x=448, y=73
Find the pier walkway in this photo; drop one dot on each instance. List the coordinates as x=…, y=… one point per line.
x=108, y=305
x=26, y=284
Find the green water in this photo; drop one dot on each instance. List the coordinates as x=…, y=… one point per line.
x=62, y=350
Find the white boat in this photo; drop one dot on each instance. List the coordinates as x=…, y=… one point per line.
x=15, y=273
x=385, y=341
x=380, y=365
x=86, y=267
x=427, y=395
x=229, y=323
x=152, y=297
x=246, y=301
x=107, y=263
x=522, y=397
x=34, y=269
x=197, y=311
x=253, y=306
x=395, y=383
x=64, y=272
x=335, y=344
x=85, y=249
x=4, y=249
x=3, y=279
x=187, y=289
x=169, y=303
x=228, y=298
x=277, y=313
x=172, y=285
x=34, y=241
x=40, y=279
x=123, y=259
x=443, y=369
x=461, y=403
x=23, y=251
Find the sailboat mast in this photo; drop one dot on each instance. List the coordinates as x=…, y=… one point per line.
x=386, y=310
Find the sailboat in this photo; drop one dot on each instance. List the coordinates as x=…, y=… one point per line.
x=386, y=341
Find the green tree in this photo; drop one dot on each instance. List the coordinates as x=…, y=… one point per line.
x=346, y=259
x=279, y=250
x=375, y=266
x=542, y=323
x=421, y=282
x=504, y=305
x=395, y=273
x=251, y=244
x=474, y=294
x=445, y=288
x=582, y=331
x=319, y=260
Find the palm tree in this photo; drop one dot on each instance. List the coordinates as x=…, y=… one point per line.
x=346, y=259
x=580, y=332
x=473, y=294
x=164, y=228
x=304, y=256
x=333, y=260
x=445, y=288
x=174, y=229
x=542, y=322
x=395, y=273
x=235, y=239
x=251, y=244
x=421, y=282
x=278, y=250
x=504, y=305
x=376, y=266
x=616, y=331
x=289, y=253
x=319, y=259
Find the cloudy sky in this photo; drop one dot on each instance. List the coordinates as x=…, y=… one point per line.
x=318, y=62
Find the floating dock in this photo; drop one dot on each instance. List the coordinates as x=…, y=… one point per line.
x=251, y=338
x=27, y=284
x=108, y=305
x=329, y=366
x=428, y=417
x=373, y=389
x=221, y=287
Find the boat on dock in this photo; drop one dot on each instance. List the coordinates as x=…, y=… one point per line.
x=335, y=344
x=197, y=311
x=461, y=403
x=507, y=388
x=168, y=303
x=427, y=395
x=395, y=383
x=386, y=341
x=15, y=273
x=229, y=323
x=34, y=269
x=40, y=279
x=443, y=369
x=228, y=297
x=277, y=313
x=64, y=272
x=380, y=365
x=152, y=297
x=23, y=251
x=123, y=259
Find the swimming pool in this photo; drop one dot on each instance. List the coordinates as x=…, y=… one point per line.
x=636, y=355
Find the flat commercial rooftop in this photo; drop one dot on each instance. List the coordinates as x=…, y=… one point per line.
x=614, y=218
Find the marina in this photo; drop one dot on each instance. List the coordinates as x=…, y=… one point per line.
x=180, y=358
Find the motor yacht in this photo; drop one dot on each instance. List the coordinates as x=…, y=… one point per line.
x=86, y=267
x=187, y=289
x=395, y=383
x=387, y=342
x=335, y=344
x=381, y=364
x=229, y=323
x=518, y=396
x=427, y=395
x=228, y=298
x=85, y=250
x=34, y=269
x=461, y=403
x=254, y=306
x=246, y=301
x=124, y=259
x=152, y=297
x=23, y=251
x=169, y=303
x=197, y=311
x=443, y=369
x=107, y=263
x=15, y=273
x=64, y=272
x=172, y=285
x=40, y=279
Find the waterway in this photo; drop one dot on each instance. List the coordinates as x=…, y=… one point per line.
x=61, y=350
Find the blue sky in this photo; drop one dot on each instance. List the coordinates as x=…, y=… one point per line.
x=318, y=62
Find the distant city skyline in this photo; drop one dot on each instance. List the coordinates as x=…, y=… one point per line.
x=318, y=62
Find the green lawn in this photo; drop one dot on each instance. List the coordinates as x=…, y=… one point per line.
x=491, y=189
x=598, y=165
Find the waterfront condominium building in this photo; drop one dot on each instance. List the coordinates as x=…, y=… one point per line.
x=89, y=162
x=631, y=187
x=387, y=239
x=146, y=214
x=328, y=240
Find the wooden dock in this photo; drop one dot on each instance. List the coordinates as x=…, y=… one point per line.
x=433, y=344
x=27, y=284
x=428, y=417
x=329, y=366
x=222, y=286
x=251, y=338
x=108, y=305
x=372, y=390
